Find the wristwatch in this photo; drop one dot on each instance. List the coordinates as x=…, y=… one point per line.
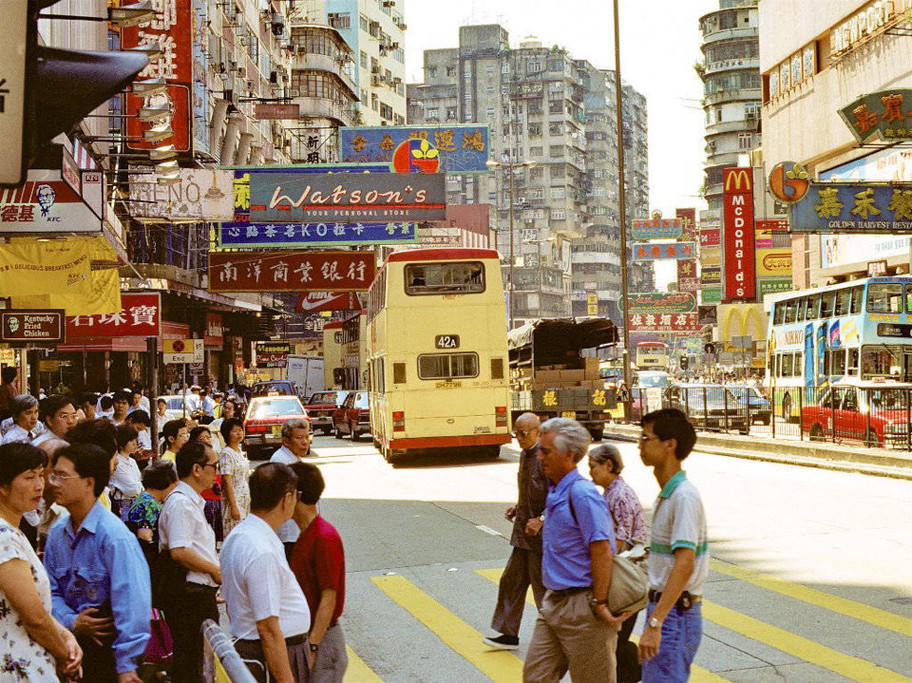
x=314, y=647
x=593, y=603
x=655, y=623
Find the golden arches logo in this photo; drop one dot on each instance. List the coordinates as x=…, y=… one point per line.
x=738, y=177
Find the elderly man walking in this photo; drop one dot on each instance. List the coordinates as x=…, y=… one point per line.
x=295, y=447
x=269, y=614
x=524, y=566
x=575, y=631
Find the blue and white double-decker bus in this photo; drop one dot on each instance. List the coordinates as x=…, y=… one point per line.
x=860, y=329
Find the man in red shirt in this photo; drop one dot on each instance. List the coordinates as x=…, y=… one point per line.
x=318, y=562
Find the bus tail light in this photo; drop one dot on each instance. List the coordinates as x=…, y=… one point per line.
x=500, y=416
x=398, y=421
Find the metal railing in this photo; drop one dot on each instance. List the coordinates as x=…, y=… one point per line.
x=220, y=659
x=878, y=416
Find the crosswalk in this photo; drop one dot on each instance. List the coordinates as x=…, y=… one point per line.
x=426, y=623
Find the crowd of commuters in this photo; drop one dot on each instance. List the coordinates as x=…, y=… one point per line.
x=113, y=548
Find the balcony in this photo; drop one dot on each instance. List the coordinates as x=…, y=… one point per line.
x=302, y=60
x=740, y=95
x=745, y=63
x=322, y=108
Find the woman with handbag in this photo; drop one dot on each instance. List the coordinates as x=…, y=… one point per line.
x=605, y=465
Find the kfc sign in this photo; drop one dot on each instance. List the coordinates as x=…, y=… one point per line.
x=139, y=316
x=739, y=266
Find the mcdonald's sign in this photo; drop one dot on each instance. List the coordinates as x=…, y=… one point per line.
x=739, y=265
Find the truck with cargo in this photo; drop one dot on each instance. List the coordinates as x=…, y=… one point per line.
x=554, y=370
x=307, y=374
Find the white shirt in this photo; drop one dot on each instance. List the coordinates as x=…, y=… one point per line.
x=183, y=524
x=289, y=531
x=143, y=439
x=126, y=477
x=17, y=433
x=208, y=406
x=257, y=582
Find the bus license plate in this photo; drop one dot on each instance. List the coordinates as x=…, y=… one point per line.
x=569, y=413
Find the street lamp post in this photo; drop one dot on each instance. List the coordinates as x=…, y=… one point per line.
x=622, y=207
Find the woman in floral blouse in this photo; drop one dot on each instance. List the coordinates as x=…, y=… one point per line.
x=235, y=469
x=34, y=646
x=158, y=479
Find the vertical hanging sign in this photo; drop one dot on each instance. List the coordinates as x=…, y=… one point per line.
x=739, y=266
x=172, y=31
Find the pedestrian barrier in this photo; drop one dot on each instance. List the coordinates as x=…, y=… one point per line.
x=221, y=662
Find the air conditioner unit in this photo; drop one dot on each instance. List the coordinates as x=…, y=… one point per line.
x=375, y=69
x=376, y=80
x=389, y=3
x=241, y=72
x=294, y=92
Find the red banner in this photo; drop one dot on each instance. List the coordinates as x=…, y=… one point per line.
x=710, y=237
x=664, y=322
x=172, y=30
x=314, y=302
x=739, y=266
x=776, y=224
x=291, y=271
x=688, y=224
x=140, y=316
x=215, y=331
x=687, y=275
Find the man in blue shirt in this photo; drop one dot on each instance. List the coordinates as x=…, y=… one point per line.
x=99, y=578
x=574, y=631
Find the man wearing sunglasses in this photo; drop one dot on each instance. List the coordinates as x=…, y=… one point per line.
x=524, y=566
x=193, y=575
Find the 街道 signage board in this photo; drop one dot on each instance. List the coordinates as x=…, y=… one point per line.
x=867, y=208
x=886, y=114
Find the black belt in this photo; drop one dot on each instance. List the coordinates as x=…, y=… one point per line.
x=684, y=603
x=565, y=592
x=290, y=641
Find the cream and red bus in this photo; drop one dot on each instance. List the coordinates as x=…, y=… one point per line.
x=437, y=353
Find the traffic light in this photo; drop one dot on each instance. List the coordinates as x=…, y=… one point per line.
x=46, y=91
x=683, y=362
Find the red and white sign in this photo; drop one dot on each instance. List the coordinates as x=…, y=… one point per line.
x=45, y=203
x=739, y=281
x=314, y=302
x=140, y=316
x=172, y=30
x=215, y=334
x=710, y=237
x=688, y=224
x=687, y=275
x=777, y=224
x=664, y=322
x=291, y=271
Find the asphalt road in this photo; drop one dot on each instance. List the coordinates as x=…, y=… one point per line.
x=811, y=576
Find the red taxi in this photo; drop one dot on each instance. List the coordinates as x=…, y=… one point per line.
x=876, y=413
x=321, y=407
x=353, y=416
x=264, y=419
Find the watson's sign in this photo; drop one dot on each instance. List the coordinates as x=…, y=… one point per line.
x=738, y=235
x=350, y=197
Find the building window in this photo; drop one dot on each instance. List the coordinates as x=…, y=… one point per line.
x=451, y=71
x=558, y=193
x=375, y=102
x=452, y=114
x=386, y=112
x=536, y=151
x=433, y=113
x=505, y=69
x=432, y=72
x=490, y=113
x=558, y=214
x=364, y=95
x=340, y=20
x=489, y=68
x=490, y=89
x=364, y=23
x=363, y=59
x=745, y=140
x=556, y=151
x=535, y=129
x=534, y=67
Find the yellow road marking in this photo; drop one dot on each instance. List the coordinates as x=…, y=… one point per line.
x=498, y=665
x=697, y=675
x=834, y=603
x=358, y=671
x=854, y=668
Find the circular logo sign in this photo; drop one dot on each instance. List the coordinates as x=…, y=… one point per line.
x=178, y=346
x=788, y=182
x=416, y=156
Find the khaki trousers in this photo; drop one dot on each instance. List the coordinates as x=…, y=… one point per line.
x=569, y=637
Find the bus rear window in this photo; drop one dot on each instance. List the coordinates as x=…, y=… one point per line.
x=448, y=365
x=885, y=298
x=463, y=277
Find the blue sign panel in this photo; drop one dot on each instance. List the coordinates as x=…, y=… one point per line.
x=868, y=208
x=287, y=235
x=461, y=148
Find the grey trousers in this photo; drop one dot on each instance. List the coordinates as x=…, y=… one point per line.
x=251, y=651
x=568, y=637
x=523, y=569
x=332, y=660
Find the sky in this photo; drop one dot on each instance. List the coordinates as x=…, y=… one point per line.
x=660, y=43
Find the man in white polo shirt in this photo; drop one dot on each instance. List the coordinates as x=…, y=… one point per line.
x=678, y=555
x=267, y=608
x=295, y=447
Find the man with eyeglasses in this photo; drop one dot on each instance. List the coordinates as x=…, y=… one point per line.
x=269, y=614
x=524, y=568
x=99, y=577
x=678, y=557
x=193, y=573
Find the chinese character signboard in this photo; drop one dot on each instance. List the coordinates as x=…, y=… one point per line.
x=291, y=271
x=171, y=29
x=17, y=16
x=687, y=275
x=868, y=208
x=669, y=250
x=45, y=203
x=664, y=322
x=457, y=149
x=272, y=354
x=276, y=112
x=290, y=235
x=139, y=316
x=198, y=195
x=688, y=218
x=292, y=197
x=44, y=326
x=738, y=235
x=655, y=229
x=772, y=285
x=670, y=302
x=881, y=114
x=710, y=237
x=711, y=275
x=774, y=225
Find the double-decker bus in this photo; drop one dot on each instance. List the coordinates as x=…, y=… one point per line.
x=652, y=356
x=858, y=330
x=333, y=374
x=437, y=353
x=354, y=351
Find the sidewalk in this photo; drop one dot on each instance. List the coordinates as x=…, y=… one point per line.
x=843, y=457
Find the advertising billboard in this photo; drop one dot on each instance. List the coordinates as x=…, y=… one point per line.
x=688, y=218
x=664, y=302
x=864, y=208
x=292, y=235
x=39, y=326
x=45, y=202
x=644, y=251
x=139, y=316
x=664, y=322
x=447, y=149
x=291, y=271
x=198, y=195
x=739, y=282
x=655, y=229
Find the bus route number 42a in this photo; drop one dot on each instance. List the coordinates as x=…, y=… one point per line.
x=446, y=341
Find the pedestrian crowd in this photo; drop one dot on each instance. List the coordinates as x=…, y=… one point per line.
x=117, y=545
x=565, y=537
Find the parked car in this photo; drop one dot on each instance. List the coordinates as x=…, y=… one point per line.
x=755, y=404
x=873, y=412
x=353, y=416
x=276, y=387
x=709, y=406
x=174, y=408
x=321, y=407
x=264, y=419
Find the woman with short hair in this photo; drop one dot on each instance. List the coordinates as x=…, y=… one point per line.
x=34, y=646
